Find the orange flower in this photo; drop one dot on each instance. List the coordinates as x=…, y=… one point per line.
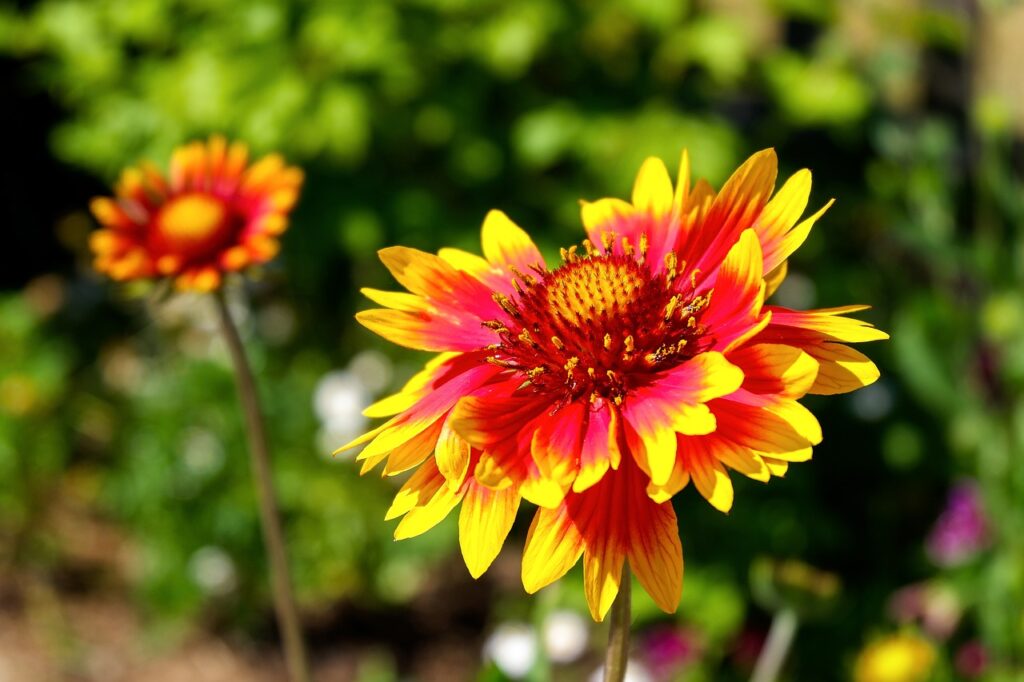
x=214, y=214
x=599, y=387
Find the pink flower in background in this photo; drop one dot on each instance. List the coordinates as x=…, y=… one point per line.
x=962, y=530
x=971, y=660
x=665, y=650
x=934, y=606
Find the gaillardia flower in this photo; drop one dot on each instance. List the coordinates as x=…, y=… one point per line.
x=599, y=386
x=214, y=214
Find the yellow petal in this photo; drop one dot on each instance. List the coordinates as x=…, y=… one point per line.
x=714, y=485
x=793, y=239
x=452, y=456
x=505, y=243
x=652, y=191
x=602, y=573
x=652, y=441
x=417, y=491
x=777, y=369
x=842, y=369
x=773, y=280
x=776, y=466
x=682, y=182
x=396, y=300
x=484, y=522
x=420, y=519
x=553, y=546
x=602, y=215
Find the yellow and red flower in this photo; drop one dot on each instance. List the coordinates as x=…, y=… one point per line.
x=598, y=387
x=215, y=213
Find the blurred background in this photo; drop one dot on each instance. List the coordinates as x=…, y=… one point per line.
x=129, y=538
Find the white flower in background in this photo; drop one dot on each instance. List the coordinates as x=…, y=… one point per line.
x=513, y=648
x=565, y=636
x=213, y=570
x=342, y=395
x=339, y=400
x=202, y=452
x=374, y=369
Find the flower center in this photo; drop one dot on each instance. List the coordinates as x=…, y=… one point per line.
x=598, y=324
x=193, y=227
x=192, y=217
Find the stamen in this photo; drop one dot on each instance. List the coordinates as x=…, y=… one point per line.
x=670, y=308
x=557, y=343
x=506, y=305
x=670, y=265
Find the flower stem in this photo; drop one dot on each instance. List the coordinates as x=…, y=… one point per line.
x=776, y=647
x=618, y=635
x=270, y=518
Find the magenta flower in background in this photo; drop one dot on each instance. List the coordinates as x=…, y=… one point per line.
x=962, y=530
x=666, y=650
x=971, y=660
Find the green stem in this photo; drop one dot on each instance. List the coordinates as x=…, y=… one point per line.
x=270, y=518
x=618, y=634
x=776, y=647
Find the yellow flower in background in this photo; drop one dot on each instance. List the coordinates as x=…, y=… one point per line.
x=213, y=213
x=905, y=657
x=598, y=387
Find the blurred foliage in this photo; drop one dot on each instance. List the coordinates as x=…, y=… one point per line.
x=412, y=118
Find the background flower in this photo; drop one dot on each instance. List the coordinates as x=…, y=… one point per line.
x=212, y=213
x=904, y=657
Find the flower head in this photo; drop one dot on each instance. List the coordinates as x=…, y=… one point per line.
x=599, y=386
x=214, y=213
x=905, y=657
x=962, y=530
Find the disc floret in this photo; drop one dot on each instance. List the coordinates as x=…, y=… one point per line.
x=600, y=323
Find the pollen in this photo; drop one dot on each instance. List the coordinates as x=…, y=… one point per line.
x=602, y=311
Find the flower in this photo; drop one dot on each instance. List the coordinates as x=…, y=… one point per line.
x=962, y=530
x=972, y=660
x=598, y=387
x=933, y=605
x=904, y=657
x=668, y=649
x=214, y=214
